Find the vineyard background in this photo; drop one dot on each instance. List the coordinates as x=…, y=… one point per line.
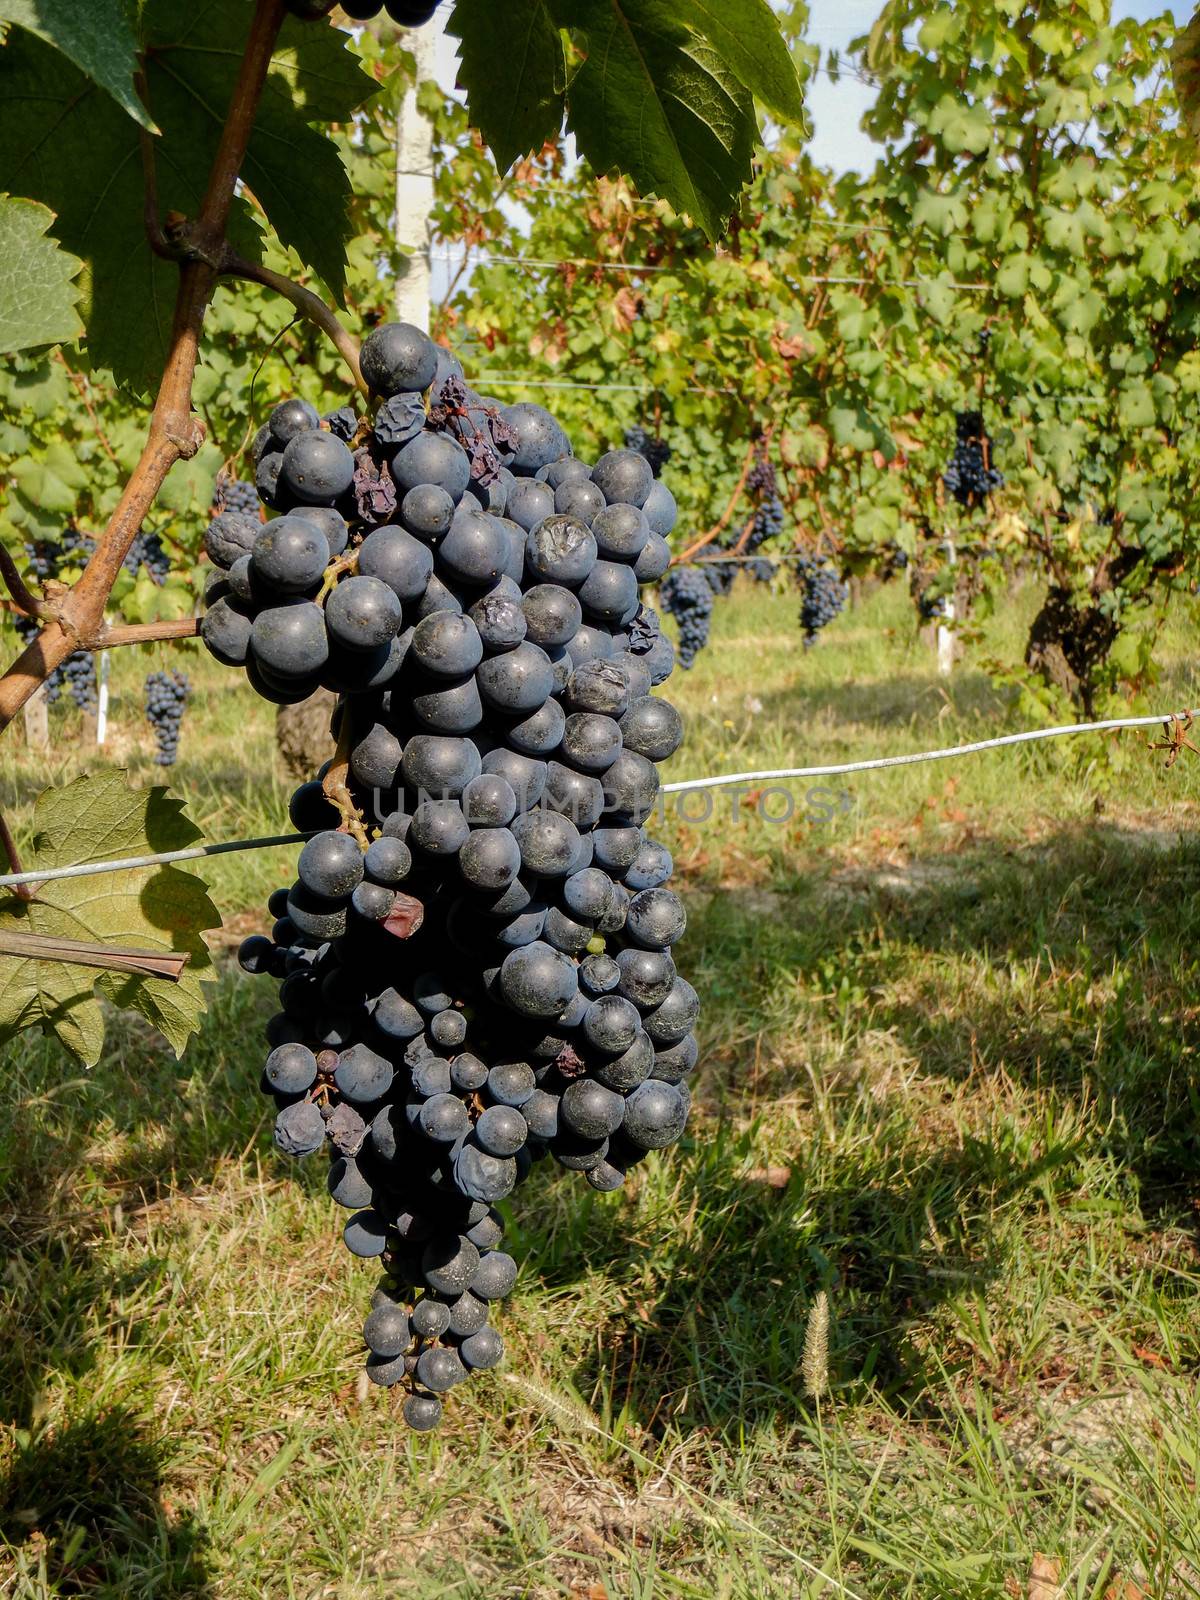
x=947, y=1093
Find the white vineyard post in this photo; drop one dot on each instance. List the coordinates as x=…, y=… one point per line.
x=414, y=184
x=37, y=720
x=945, y=635
x=102, y=697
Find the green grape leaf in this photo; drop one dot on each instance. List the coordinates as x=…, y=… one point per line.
x=657, y=102
x=1185, y=61
x=37, y=294
x=66, y=142
x=99, y=817
x=96, y=37
x=746, y=34
x=520, y=110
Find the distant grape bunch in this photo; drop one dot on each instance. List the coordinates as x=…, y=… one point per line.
x=688, y=595
x=822, y=596
x=655, y=449
x=475, y=960
x=235, y=494
x=147, y=551
x=166, y=695
x=971, y=477
x=47, y=560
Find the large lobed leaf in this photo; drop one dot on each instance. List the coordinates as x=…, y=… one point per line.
x=68, y=143
x=665, y=91
x=96, y=36
x=37, y=291
x=99, y=817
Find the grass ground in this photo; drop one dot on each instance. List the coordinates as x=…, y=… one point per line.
x=948, y=1094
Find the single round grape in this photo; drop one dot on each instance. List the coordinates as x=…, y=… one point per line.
x=537, y=980
x=655, y=1115
x=291, y=1069
x=652, y=728
x=616, y=847
x=656, y=918
x=330, y=865
x=432, y=458
x=483, y=1177
x=564, y=933
x=501, y=1130
x=395, y=1016
x=439, y=1368
x=490, y=858
x=567, y=469
x=500, y=621
x=587, y=894
x=448, y=1264
x=375, y=758
x=396, y=357
x=427, y=511
x=430, y=1318
x=362, y=613
x=439, y=766
x=432, y=1076
x=468, y=1073
x=365, y=1234
x=467, y=1315
x=599, y=975
x=439, y=827
x=675, y=1062
x=624, y=476
x=539, y=437
x=290, y=555
x=522, y=927
x=362, y=1076
x=525, y=776
x=510, y=1083
x=446, y=644
x=631, y=786
x=651, y=866
x=482, y=1350
x=578, y=1154
x=227, y=633
x=292, y=417
x=621, y=532
x=444, y=1118
x=582, y=500
x=475, y=550
x=489, y=801
x=611, y=1024
x=290, y=640
x=386, y=1331
x=592, y=642
x=675, y=1017
x=387, y=1371
x=437, y=597
x=660, y=509
x=591, y=1110
x=448, y=1029
x=575, y=794
x=347, y=1185
x=316, y=468
x=548, y=842
x=445, y=707
x=517, y=682
x=646, y=977
x=540, y=732
x=541, y=1114
x=495, y=1276
x=598, y=686
x=561, y=549
x=653, y=561
x=552, y=614
x=529, y=503
x=230, y=537
x=631, y=1067
x=393, y=556
x=609, y=591
x=591, y=741
x=422, y=1412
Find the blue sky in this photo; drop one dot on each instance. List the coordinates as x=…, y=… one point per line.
x=837, y=108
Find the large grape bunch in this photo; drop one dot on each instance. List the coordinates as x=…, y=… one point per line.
x=476, y=957
x=971, y=477
x=235, y=494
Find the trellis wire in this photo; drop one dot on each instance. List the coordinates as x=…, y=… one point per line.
x=645, y=266
x=85, y=869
